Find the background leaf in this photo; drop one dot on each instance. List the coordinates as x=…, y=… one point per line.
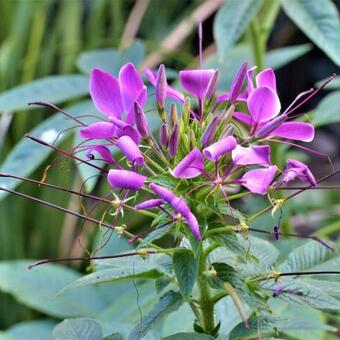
x=328, y=110
x=78, y=329
x=319, y=20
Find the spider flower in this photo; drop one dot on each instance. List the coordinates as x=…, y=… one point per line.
x=297, y=170
x=259, y=180
x=125, y=179
x=179, y=206
x=190, y=166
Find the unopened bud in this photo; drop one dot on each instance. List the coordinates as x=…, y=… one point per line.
x=192, y=139
x=236, y=85
x=265, y=130
x=173, y=114
x=173, y=143
x=161, y=86
x=228, y=131
x=141, y=123
x=210, y=131
x=212, y=86
x=186, y=111
x=164, y=135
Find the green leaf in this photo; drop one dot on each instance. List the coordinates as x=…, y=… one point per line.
x=283, y=56
x=185, y=268
x=111, y=60
x=225, y=209
x=231, y=242
x=27, y=155
x=30, y=330
x=319, y=20
x=54, y=89
x=231, y=21
x=333, y=85
x=38, y=288
x=327, y=111
x=167, y=304
x=188, y=336
x=78, y=329
x=155, y=235
x=329, y=287
x=308, y=257
x=129, y=271
x=300, y=292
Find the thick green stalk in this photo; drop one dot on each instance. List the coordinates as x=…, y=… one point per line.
x=258, y=44
x=206, y=303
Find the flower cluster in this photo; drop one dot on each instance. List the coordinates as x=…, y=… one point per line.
x=216, y=144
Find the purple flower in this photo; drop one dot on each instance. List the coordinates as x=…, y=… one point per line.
x=125, y=129
x=277, y=290
x=103, y=151
x=190, y=166
x=259, y=180
x=164, y=135
x=218, y=149
x=141, y=122
x=296, y=169
x=124, y=179
x=254, y=155
x=196, y=82
x=100, y=130
x=179, y=206
x=161, y=86
x=212, y=86
x=114, y=97
x=170, y=92
x=173, y=143
x=149, y=204
x=130, y=149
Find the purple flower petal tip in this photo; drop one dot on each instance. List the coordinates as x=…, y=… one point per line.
x=124, y=179
x=193, y=225
x=254, y=155
x=259, y=180
x=196, y=82
x=266, y=78
x=263, y=104
x=103, y=151
x=236, y=86
x=100, y=130
x=105, y=93
x=130, y=149
x=150, y=204
x=223, y=146
x=141, y=122
x=190, y=166
x=295, y=130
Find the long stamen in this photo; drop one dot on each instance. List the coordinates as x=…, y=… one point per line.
x=37, y=140
x=324, y=187
x=44, y=261
x=298, y=97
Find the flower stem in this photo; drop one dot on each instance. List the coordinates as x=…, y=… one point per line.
x=258, y=44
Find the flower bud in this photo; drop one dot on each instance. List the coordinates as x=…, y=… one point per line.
x=212, y=87
x=210, y=131
x=141, y=123
x=228, y=131
x=186, y=111
x=236, y=86
x=164, y=135
x=130, y=149
x=265, y=130
x=161, y=86
x=124, y=179
x=173, y=114
x=149, y=204
x=216, y=150
x=192, y=139
x=173, y=143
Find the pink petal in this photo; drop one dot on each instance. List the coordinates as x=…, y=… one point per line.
x=196, y=81
x=124, y=129
x=131, y=85
x=149, y=204
x=193, y=225
x=259, y=180
x=190, y=166
x=216, y=150
x=105, y=93
x=295, y=130
x=100, y=130
x=130, y=149
x=250, y=82
x=266, y=78
x=124, y=179
x=296, y=169
x=263, y=104
x=242, y=117
x=254, y=155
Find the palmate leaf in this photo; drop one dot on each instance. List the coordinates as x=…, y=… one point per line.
x=38, y=288
x=319, y=20
x=78, y=329
x=155, y=235
x=231, y=22
x=53, y=89
x=185, y=268
x=167, y=304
